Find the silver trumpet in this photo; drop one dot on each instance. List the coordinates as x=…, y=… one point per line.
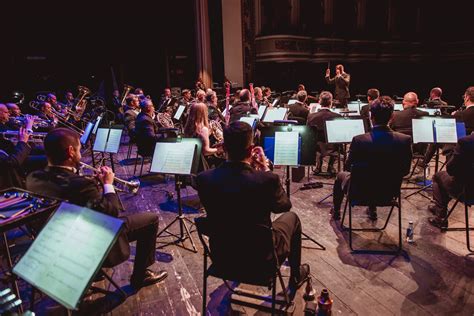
x=131, y=186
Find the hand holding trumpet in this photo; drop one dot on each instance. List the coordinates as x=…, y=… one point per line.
x=105, y=175
x=259, y=161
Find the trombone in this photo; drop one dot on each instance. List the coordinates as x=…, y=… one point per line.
x=63, y=120
x=131, y=186
x=126, y=91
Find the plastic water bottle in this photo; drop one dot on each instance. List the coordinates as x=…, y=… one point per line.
x=410, y=232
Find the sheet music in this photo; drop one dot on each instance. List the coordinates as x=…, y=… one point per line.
x=68, y=251
x=249, y=120
x=342, y=131
x=179, y=112
x=275, y=102
x=113, y=142
x=87, y=132
x=422, y=131
x=354, y=106
x=286, y=148
x=445, y=130
x=173, y=158
x=97, y=123
x=398, y=107
x=275, y=114
x=314, y=107
x=290, y=102
x=100, y=139
x=261, y=111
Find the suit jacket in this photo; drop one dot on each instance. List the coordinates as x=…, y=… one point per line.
x=342, y=86
x=10, y=164
x=381, y=149
x=64, y=184
x=402, y=120
x=146, y=133
x=298, y=110
x=241, y=109
x=318, y=120
x=466, y=116
x=129, y=119
x=250, y=195
x=462, y=160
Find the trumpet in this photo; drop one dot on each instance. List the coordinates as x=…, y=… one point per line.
x=131, y=186
x=35, y=137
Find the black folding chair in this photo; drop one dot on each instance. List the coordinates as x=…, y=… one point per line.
x=365, y=189
x=248, y=257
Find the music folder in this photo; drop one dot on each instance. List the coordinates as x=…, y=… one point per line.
x=437, y=130
x=107, y=140
x=343, y=130
x=177, y=158
x=179, y=112
x=274, y=114
x=68, y=253
x=87, y=133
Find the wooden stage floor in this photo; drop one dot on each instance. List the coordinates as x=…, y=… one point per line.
x=433, y=276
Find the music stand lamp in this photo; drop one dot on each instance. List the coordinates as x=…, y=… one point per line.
x=159, y=165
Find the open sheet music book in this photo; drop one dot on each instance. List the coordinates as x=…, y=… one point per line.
x=68, y=253
x=107, y=140
x=174, y=158
x=342, y=131
x=437, y=130
x=274, y=114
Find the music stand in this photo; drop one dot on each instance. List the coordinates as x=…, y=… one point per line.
x=61, y=262
x=299, y=149
x=107, y=140
x=179, y=157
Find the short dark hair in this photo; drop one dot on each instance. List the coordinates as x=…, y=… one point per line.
x=238, y=138
x=302, y=95
x=325, y=98
x=244, y=95
x=470, y=93
x=57, y=142
x=381, y=110
x=373, y=94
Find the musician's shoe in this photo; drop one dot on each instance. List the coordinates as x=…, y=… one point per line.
x=149, y=279
x=295, y=284
x=372, y=212
x=336, y=214
x=439, y=222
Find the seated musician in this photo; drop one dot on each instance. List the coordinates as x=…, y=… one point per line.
x=372, y=95
x=212, y=107
x=258, y=95
x=299, y=110
x=11, y=162
x=60, y=180
x=401, y=121
x=53, y=101
x=318, y=120
x=165, y=99
x=252, y=193
x=201, y=96
x=69, y=100
x=131, y=112
x=380, y=149
x=435, y=98
x=45, y=112
x=450, y=182
x=14, y=109
x=5, y=122
x=242, y=107
x=146, y=129
x=467, y=115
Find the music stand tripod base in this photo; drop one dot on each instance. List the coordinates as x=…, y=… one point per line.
x=180, y=219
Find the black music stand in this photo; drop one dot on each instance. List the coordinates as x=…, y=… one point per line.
x=180, y=157
x=107, y=141
x=306, y=153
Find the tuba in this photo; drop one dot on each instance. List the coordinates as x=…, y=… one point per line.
x=81, y=104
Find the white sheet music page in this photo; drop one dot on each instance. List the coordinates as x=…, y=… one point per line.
x=179, y=112
x=342, y=131
x=286, y=148
x=67, y=252
x=445, y=130
x=113, y=143
x=422, y=131
x=100, y=139
x=275, y=114
x=97, y=123
x=173, y=158
x=249, y=120
x=261, y=111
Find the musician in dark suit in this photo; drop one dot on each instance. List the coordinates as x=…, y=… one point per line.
x=146, y=129
x=242, y=107
x=251, y=196
x=318, y=120
x=372, y=95
x=467, y=115
x=381, y=149
x=165, y=100
x=131, y=112
x=11, y=162
x=402, y=120
x=341, y=82
x=60, y=180
x=299, y=110
x=435, y=98
x=450, y=182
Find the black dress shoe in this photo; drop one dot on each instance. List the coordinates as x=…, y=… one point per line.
x=439, y=222
x=149, y=279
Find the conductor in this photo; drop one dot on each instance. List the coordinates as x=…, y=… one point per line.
x=341, y=81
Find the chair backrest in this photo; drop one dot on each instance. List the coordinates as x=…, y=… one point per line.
x=244, y=254
x=373, y=186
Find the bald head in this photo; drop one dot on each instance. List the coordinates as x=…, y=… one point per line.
x=4, y=114
x=14, y=109
x=410, y=100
